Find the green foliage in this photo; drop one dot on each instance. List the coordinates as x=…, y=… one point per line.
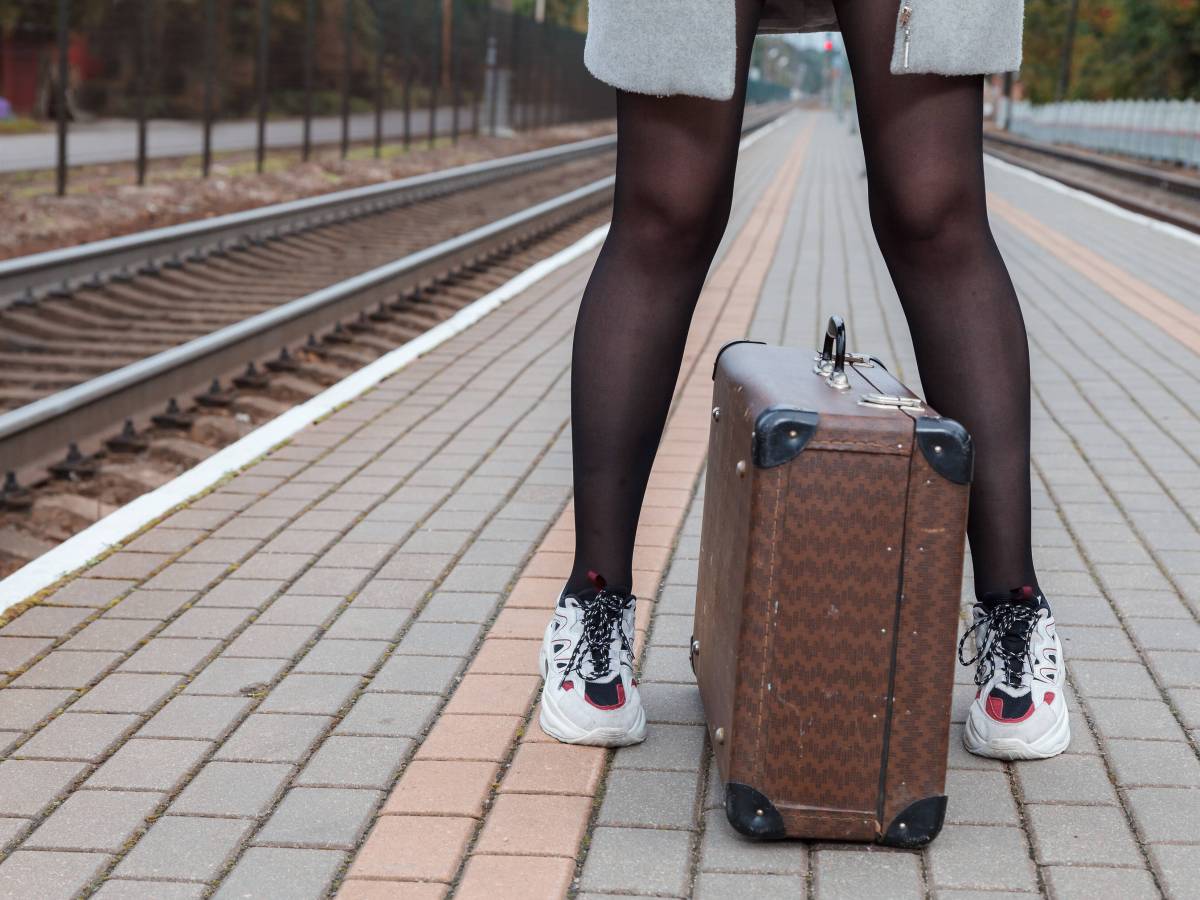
x=1123, y=48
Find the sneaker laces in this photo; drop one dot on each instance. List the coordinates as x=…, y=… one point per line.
x=601, y=613
x=1008, y=629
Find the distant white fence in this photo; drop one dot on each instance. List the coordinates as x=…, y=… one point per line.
x=1161, y=130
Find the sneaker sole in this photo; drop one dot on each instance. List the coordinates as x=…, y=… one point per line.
x=1052, y=743
x=561, y=729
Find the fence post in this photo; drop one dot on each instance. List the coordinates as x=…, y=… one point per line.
x=380, y=44
x=143, y=59
x=347, y=72
x=60, y=93
x=310, y=28
x=435, y=71
x=210, y=65
x=264, y=44
x=455, y=14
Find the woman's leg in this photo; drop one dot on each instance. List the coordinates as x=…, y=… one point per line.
x=923, y=140
x=675, y=165
x=922, y=137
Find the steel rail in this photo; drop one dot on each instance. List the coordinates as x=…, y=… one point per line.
x=27, y=433
x=24, y=279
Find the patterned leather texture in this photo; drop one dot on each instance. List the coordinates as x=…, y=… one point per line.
x=797, y=606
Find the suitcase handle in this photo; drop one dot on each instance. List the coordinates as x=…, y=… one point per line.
x=832, y=363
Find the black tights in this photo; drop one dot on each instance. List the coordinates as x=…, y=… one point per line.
x=922, y=138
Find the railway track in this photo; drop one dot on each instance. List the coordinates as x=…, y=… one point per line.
x=128, y=361
x=1160, y=193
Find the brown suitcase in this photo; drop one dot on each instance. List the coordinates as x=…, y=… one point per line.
x=831, y=558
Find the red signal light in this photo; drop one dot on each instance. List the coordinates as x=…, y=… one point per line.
x=828, y=46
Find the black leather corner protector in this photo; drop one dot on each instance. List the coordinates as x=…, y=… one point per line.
x=692, y=652
x=918, y=824
x=780, y=433
x=726, y=346
x=948, y=448
x=751, y=813
x=878, y=362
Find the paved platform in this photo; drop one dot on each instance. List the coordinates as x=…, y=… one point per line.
x=318, y=679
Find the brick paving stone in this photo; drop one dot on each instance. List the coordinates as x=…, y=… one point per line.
x=48, y=875
x=330, y=582
x=337, y=657
x=517, y=824
x=128, y=565
x=186, y=576
x=297, y=541
x=23, y=709
x=221, y=550
x=484, y=738
x=641, y=860
x=1078, y=883
x=1081, y=835
x=281, y=872
x=94, y=592
x=46, y=621
x=241, y=593
x=117, y=889
x=1153, y=763
x=126, y=692
x=392, y=594
x=293, y=610
x=1134, y=719
x=322, y=818
x=1178, y=868
x=156, y=605
x=149, y=765
x=184, y=848
x=177, y=655
x=506, y=657
x=434, y=787
x=439, y=639
x=271, y=641
x=165, y=540
x=1109, y=644
x=955, y=860
x=528, y=624
x=79, y=736
x=718, y=886
x=445, y=606
x=370, y=624
x=1113, y=679
x=417, y=674
x=271, y=738
x=355, y=762
x=1176, y=669
x=194, y=716
x=231, y=789
x=724, y=850
x=356, y=556
x=315, y=694
x=67, y=669
x=27, y=785
x=1166, y=814
x=670, y=747
x=667, y=664
x=494, y=694
x=207, y=622
x=487, y=877
x=554, y=768
x=110, y=634
x=416, y=848
x=235, y=677
x=271, y=567
x=1165, y=634
x=389, y=715
x=1066, y=779
x=672, y=704
x=650, y=799
x=100, y=821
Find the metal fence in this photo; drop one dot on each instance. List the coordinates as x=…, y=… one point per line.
x=1160, y=130
x=139, y=79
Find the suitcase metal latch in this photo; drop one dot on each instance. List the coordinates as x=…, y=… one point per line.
x=891, y=401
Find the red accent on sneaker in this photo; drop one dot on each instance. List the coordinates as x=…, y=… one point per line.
x=568, y=686
x=620, y=699
x=597, y=579
x=1049, y=697
x=995, y=709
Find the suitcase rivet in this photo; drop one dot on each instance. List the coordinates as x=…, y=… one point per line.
x=937, y=448
x=903, y=827
x=720, y=735
x=716, y=413
x=695, y=647
x=758, y=812
x=741, y=468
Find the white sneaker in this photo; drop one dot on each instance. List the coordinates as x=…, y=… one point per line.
x=590, y=695
x=1019, y=711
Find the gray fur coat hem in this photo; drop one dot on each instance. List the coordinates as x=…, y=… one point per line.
x=664, y=47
